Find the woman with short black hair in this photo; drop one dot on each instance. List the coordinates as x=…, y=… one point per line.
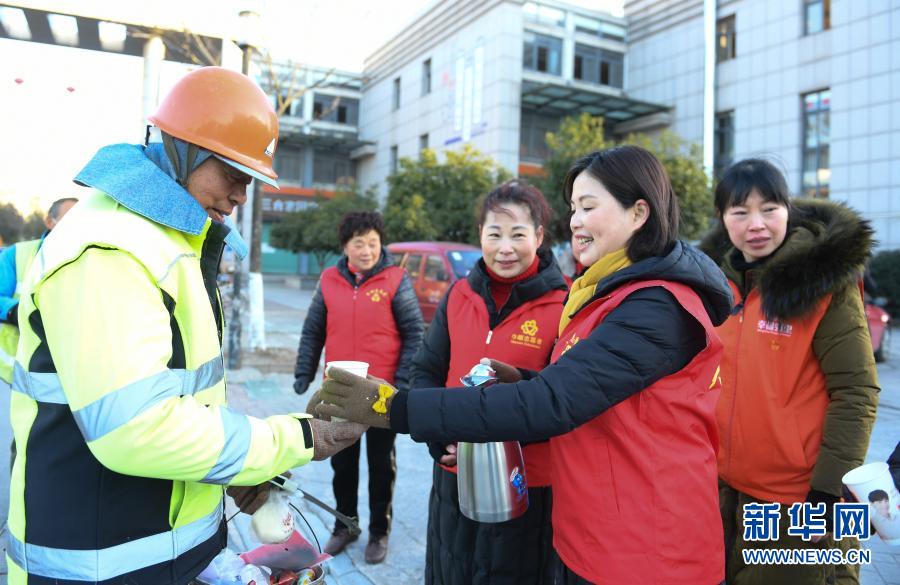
x=364, y=309
x=629, y=398
x=799, y=381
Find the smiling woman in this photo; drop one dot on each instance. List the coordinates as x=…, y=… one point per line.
x=507, y=307
x=627, y=400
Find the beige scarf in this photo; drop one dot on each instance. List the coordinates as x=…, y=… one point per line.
x=583, y=289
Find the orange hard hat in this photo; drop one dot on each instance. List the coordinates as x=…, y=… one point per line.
x=226, y=113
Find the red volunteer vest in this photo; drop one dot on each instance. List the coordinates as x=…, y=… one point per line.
x=524, y=339
x=774, y=397
x=360, y=323
x=635, y=496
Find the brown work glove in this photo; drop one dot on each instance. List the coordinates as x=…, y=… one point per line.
x=250, y=498
x=314, y=401
x=364, y=400
x=329, y=437
x=505, y=373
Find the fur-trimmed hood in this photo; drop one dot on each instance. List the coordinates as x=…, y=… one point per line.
x=825, y=250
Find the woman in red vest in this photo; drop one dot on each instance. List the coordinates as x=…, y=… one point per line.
x=629, y=398
x=799, y=385
x=507, y=308
x=365, y=309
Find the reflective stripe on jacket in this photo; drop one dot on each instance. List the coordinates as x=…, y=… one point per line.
x=124, y=438
x=635, y=496
x=9, y=334
x=524, y=339
x=360, y=324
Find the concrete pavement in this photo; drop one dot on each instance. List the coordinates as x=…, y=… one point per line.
x=406, y=560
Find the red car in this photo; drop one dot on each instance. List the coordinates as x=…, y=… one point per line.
x=879, y=328
x=433, y=267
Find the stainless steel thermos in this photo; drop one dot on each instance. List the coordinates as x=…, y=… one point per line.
x=490, y=476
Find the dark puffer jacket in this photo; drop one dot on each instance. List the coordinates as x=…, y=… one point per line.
x=646, y=338
x=404, y=306
x=461, y=551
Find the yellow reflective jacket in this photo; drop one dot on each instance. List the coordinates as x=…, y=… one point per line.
x=9, y=334
x=119, y=414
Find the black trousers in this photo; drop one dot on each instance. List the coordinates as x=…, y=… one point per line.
x=382, y=460
x=460, y=551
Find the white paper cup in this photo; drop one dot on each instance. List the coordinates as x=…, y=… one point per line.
x=358, y=368
x=873, y=484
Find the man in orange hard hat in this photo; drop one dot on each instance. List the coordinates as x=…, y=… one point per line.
x=118, y=405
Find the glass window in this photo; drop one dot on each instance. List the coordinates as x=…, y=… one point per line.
x=413, y=264
x=434, y=269
x=329, y=108
x=816, y=142
x=725, y=39
x=423, y=142
x=599, y=66
x=396, y=93
x=394, y=159
x=542, y=53
x=533, y=136
x=612, y=66
x=817, y=16
x=426, y=76
x=289, y=165
x=723, y=149
x=331, y=168
x=462, y=261
x=539, y=13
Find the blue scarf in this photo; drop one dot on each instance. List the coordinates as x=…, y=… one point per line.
x=156, y=152
x=143, y=179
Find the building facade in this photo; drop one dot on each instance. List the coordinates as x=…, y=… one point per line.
x=497, y=75
x=812, y=85
x=808, y=84
x=318, y=135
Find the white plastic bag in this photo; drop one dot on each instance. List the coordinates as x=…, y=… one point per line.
x=224, y=569
x=273, y=523
x=253, y=575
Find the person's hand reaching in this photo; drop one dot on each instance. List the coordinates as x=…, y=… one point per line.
x=443, y=454
x=363, y=400
x=505, y=373
x=330, y=437
x=250, y=498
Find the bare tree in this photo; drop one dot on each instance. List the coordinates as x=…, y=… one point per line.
x=284, y=83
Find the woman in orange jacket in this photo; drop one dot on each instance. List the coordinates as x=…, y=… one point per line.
x=799, y=386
